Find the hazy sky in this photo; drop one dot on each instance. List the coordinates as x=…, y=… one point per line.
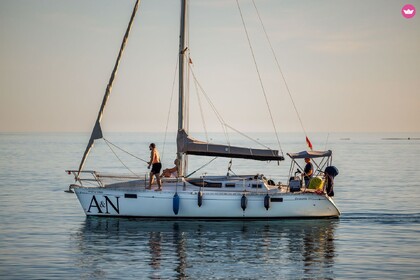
x=350, y=65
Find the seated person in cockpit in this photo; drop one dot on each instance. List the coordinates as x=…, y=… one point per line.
x=171, y=172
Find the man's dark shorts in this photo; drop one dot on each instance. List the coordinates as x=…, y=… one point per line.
x=156, y=167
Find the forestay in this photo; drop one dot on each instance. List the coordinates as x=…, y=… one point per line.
x=97, y=130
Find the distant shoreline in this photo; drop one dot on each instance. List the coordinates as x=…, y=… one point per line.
x=408, y=138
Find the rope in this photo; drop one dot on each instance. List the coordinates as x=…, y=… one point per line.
x=218, y=115
x=220, y=118
x=278, y=66
x=201, y=110
x=125, y=151
x=200, y=168
x=170, y=106
x=246, y=136
x=108, y=143
x=259, y=75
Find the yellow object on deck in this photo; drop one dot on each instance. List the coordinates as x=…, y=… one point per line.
x=316, y=183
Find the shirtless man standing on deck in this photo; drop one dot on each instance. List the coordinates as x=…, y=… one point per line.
x=156, y=166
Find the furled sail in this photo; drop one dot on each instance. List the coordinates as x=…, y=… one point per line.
x=188, y=145
x=97, y=130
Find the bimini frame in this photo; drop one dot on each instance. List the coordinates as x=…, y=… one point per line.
x=324, y=156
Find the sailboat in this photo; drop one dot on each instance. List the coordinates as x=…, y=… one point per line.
x=227, y=196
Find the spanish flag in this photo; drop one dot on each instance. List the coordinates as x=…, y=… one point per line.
x=309, y=143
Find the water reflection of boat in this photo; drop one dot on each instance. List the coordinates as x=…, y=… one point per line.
x=161, y=248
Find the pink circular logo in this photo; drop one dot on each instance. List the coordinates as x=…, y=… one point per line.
x=408, y=11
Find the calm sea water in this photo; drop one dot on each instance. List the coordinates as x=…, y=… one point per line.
x=45, y=235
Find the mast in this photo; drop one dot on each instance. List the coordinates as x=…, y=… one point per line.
x=181, y=100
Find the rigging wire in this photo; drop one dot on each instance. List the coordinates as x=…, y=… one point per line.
x=186, y=82
x=259, y=75
x=108, y=143
x=279, y=68
x=201, y=110
x=220, y=118
x=246, y=136
x=218, y=115
x=200, y=167
x=213, y=107
x=97, y=130
x=170, y=106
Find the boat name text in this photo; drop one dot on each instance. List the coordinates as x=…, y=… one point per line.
x=104, y=205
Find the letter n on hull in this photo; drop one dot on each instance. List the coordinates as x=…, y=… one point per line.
x=109, y=202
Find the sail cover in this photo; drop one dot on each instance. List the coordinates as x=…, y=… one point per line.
x=191, y=146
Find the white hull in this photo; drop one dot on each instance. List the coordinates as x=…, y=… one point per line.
x=216, y=204
x=223, y=197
